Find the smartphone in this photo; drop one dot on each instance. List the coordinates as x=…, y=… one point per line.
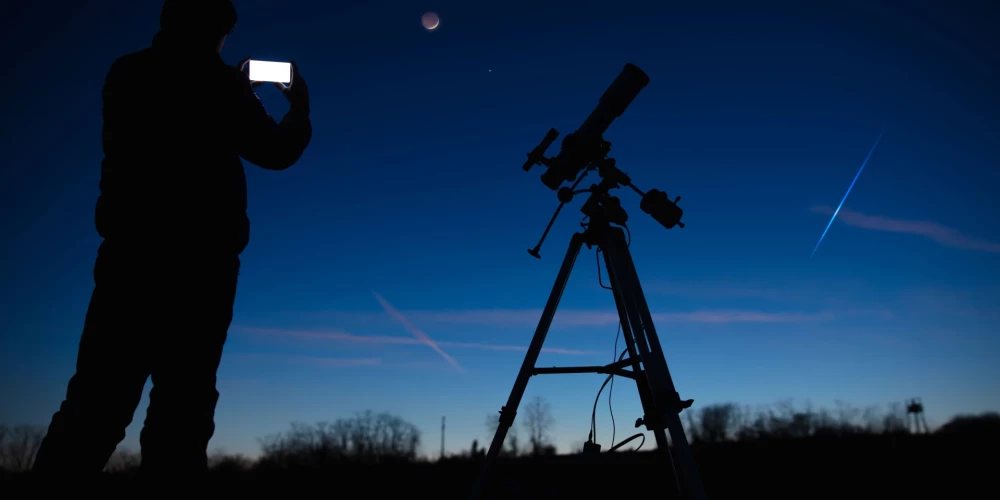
x=269, y=71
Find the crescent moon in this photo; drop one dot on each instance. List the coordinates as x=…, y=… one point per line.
x=430, y=21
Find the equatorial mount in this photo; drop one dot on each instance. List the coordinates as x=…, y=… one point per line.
x=601, y=205
x=585, y=151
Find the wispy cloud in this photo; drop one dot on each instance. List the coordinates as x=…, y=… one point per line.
x=741, y=317
x=943, y=235
x=528, y=318
x=336, y=335
x=330, y=362
x=975, y=303
x=727, y=290
x=416, y=332
x=840, y=297
x=314, y=360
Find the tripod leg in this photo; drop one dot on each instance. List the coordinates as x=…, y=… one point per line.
x=509, y=410
x=642, y=384
x=664, y=394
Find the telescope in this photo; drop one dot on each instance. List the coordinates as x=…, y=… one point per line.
x=605, y=228
x=586, y=150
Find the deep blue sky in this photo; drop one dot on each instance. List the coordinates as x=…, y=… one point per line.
x=758, y=114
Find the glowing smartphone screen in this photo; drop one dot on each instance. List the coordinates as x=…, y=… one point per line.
x=268, y=71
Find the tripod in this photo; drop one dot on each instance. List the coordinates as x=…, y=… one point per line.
x=660, y=401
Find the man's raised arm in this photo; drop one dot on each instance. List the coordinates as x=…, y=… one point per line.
x=262, y=141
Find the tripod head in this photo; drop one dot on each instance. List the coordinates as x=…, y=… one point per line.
x=585, y=151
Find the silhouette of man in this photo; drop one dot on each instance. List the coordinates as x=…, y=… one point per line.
x=172, y=215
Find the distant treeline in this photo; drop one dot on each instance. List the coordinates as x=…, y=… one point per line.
x=383, y=438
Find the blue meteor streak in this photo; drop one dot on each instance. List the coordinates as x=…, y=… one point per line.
x=835, y=212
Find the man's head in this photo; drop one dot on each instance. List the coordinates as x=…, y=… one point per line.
x=202, y=22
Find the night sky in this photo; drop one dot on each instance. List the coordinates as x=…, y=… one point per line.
x=410, y=207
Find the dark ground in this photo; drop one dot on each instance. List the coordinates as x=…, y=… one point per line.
x=957, y=461
x=921, y=466
x=854, y=467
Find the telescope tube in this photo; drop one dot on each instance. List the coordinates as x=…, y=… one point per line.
x=576, y=147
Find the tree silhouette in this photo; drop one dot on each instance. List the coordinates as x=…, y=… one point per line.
x=717, y=422
x=18, y=446
x=894, y=421
x=985, y=424
x=511, y=443
x=123, y=460
x=228, y=464
x=538, y=422
x=366, y=437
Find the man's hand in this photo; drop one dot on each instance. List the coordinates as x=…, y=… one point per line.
x=242, y=65
x=297, y=92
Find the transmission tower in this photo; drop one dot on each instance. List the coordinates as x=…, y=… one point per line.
x=915, y=421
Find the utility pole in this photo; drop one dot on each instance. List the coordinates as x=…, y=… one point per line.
x=442, y=438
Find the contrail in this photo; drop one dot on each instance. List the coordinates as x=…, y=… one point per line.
x=848, y=192
x=416, y=332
